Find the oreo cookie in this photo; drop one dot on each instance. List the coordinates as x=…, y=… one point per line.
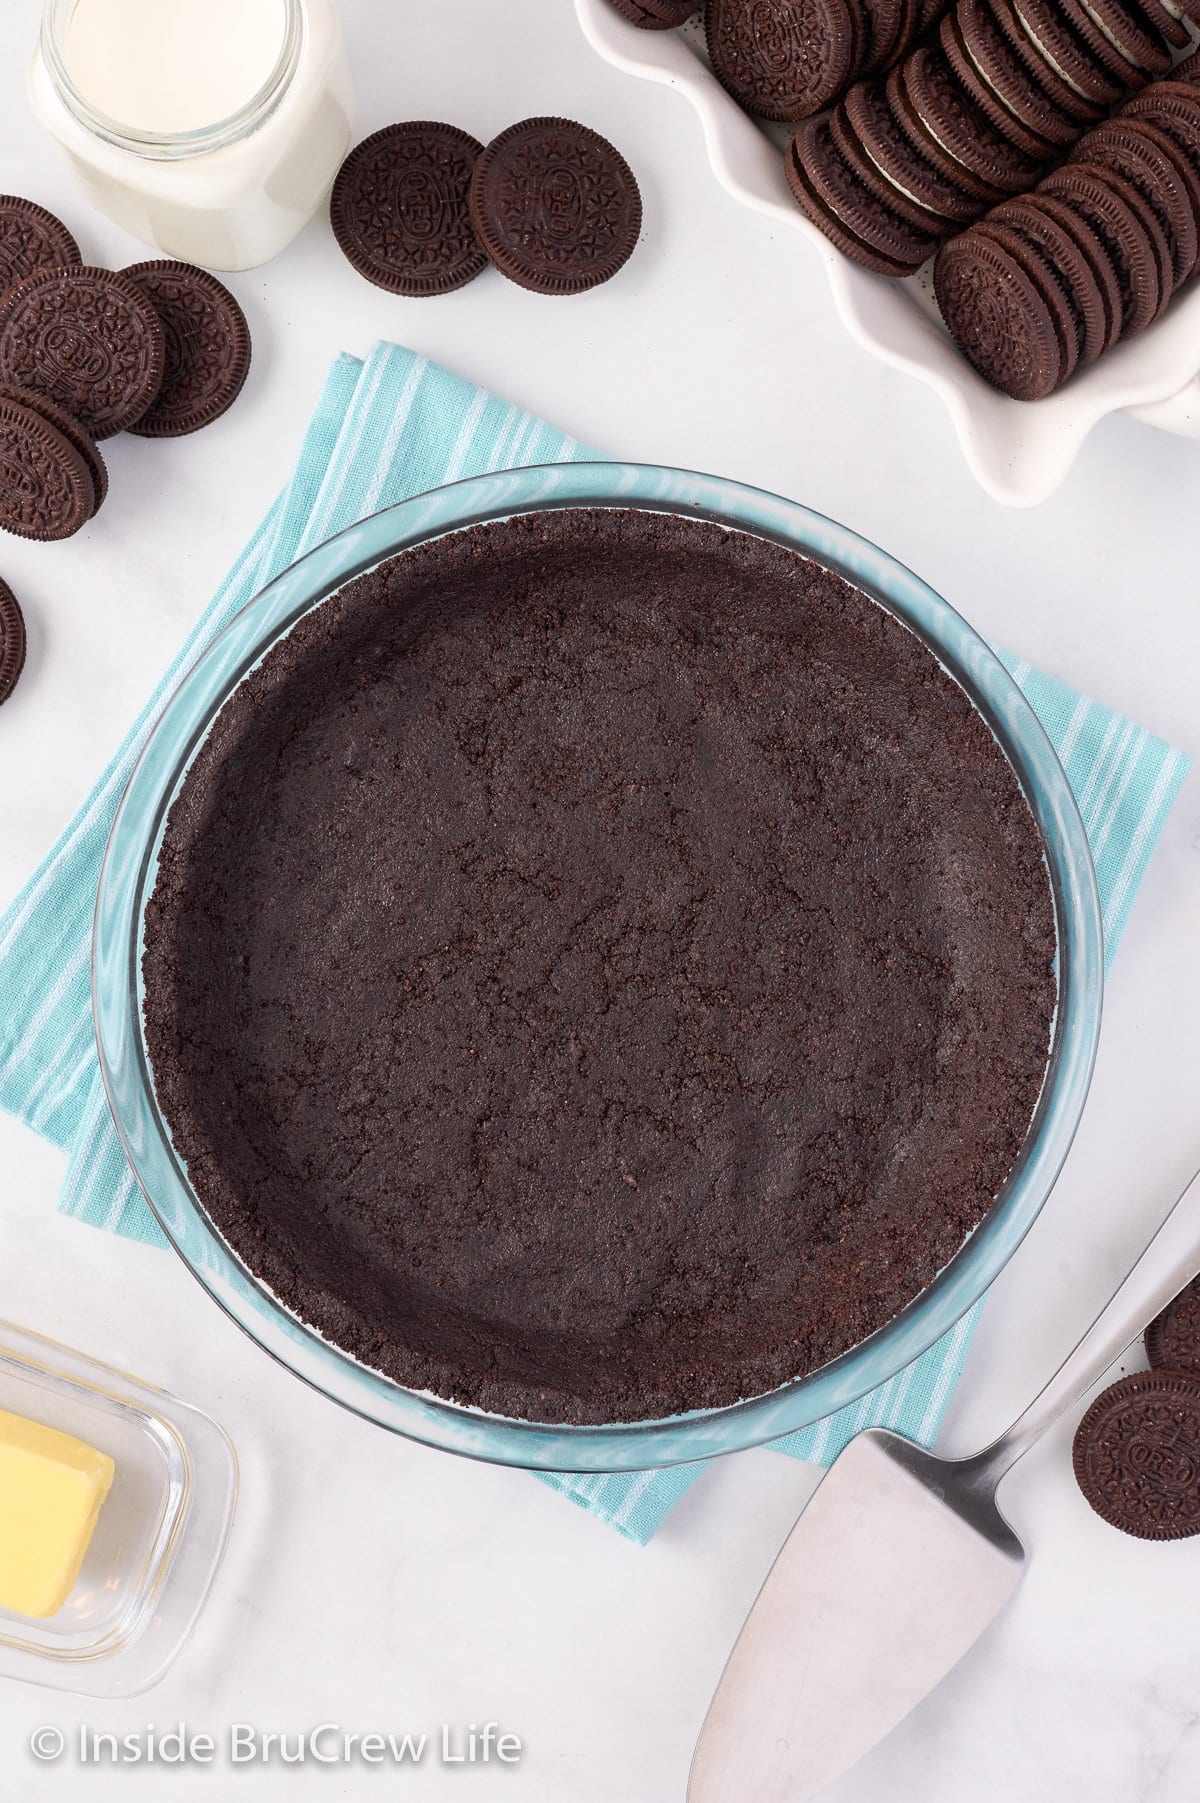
x=206, y=347
x=1076, y=44
x=1123, y=234
x=1058, y=50
x=785, y=59
x=400, y=209
x=862, y=226
x=655, y=15
x=1137, y=1455
x=998, y=316
x=71, y=430
x=88, y=340
x=1130, y=30
x=1173, y=1337
x=1076, y=278
x=30, y=239
x=1174, y=107
x=981, y=94
x=1154, y=171
x=868, y=172
x=1008, y=77
x=954, y=127
x=1064, y=315
x=555, y=206
x=12, y=641
x=46, y=488
x=870, y=115
x=1063, y=94
x=1095, y=255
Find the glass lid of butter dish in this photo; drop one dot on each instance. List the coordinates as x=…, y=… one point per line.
x=118, y=1501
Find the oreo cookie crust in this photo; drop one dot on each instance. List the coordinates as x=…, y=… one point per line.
x=400, y=209
x=555, y=206
x=1137, y=1455
x=12, y=641
x=599, y=965
x=31, y=238
x=88, y=340
x=206, y=347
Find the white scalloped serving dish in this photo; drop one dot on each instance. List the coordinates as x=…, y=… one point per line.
x=1019, y=452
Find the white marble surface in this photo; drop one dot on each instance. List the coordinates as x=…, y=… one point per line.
x=379, y=1585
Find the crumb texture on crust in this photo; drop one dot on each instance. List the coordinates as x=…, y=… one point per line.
x=599, y=966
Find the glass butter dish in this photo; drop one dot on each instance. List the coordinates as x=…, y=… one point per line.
x=161, y=1531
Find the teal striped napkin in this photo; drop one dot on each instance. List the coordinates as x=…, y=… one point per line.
x=393, y=426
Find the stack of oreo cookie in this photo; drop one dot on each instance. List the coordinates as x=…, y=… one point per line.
x=974, y=115
x=159, y=349
x=1042, y=285
x=788, y=59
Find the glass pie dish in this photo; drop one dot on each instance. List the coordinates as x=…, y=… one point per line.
x=128, y=878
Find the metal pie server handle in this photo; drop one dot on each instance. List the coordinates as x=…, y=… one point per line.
x=1169, y=1262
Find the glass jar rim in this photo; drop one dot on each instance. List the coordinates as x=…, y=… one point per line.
x=162, y=145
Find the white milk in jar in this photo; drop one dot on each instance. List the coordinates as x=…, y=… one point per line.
x=210, y=128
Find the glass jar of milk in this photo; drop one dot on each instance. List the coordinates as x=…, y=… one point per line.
x=210, y=128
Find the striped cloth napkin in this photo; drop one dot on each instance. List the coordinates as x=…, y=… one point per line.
x=393, y=426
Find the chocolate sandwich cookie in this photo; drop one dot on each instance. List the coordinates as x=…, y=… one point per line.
x=1147, y=216
x=1136, y=41
x=1123, y=234
x=1173, y=1337
x=1174, y=107
x=1095, y=254
x=784, y=59
x=889, y=22
x=71, y=430
x=1065, y=97
x=655, y=15
x=12, y=641
x=864, y=226
x=555, y=206
x=1064, y=315
x=872, y=177
x=400, y=209
x=1057, y=47
x=31, y=239
x=1188, y=69
x=1066, y=25
x=1008, y=77
x=1156, y=174
x=981, y=94
x=1076, y=279
x=1137, y=1455
x=998, y=316
x=951, y=121
x=1168, y=22
x=206, y=347
x=89, y=340
x=1188, y=168
x=46, y=488
x=870, y=116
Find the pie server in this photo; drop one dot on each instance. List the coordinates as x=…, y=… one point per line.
x=894, y=1569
